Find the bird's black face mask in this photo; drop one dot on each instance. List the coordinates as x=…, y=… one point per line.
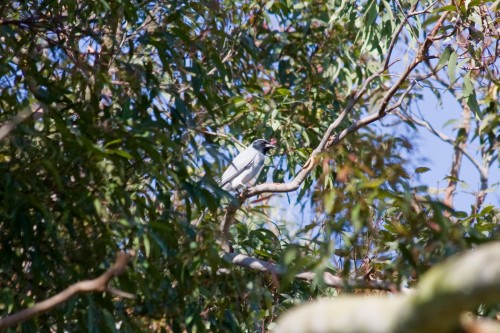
x=263, y=145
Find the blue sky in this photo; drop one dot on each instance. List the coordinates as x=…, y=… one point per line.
x=438, y=153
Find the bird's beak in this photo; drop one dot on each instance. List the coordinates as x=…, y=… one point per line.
x=270, y=146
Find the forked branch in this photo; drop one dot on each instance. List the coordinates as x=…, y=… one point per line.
x=328, y=140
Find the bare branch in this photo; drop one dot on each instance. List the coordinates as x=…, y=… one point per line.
x=486, y=157
x=407, y=91
x=22, y=116
x=482, y=169
x=451, y=33
x=442, y=82
x=120, y=293
x=424, y=11
x=227, y=222
x=395, y=35
x=328, y=278
x=445, y=138
x=352, y=101
x=459, y=147
x=98, y=284
x=333, y=140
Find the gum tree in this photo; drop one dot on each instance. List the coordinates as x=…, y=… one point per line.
x=118, y=117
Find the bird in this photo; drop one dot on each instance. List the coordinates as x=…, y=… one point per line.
x=245, y=167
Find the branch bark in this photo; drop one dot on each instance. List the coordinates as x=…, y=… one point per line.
x=98, y=284
x=329, y=279
x=18, y=119
x=460, y=144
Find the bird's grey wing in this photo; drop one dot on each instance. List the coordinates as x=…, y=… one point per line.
x=241, y=162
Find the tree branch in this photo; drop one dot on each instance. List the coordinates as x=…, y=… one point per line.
x=445, y=291
x=19, y=118
x=329, y=279
x=329, y=139
x=424, y=11
x=459, y=147
x=396, y=33
x=323, y=145
x=486, y=157
x=445, y=138
x=98, y=284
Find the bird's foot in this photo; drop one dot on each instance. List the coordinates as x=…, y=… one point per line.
x=241, y=188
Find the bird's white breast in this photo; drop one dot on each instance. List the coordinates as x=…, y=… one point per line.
x=250, y=172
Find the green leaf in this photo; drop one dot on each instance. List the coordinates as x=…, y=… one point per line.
x=329, y=202
x=451, y=178
x=422, y=169
x=495, y=6
x=448, y=8
x=283, y=91
x=452, y=63
x=450, y=122
x=486, y=210
x=474, y=3
x=474, y=106
x=275, y=125
x=290, y=255
x=238, y=102
x=460, y=215
x=372, y=184
x=112, y=142
x=371, y=13
x=467, y=86
x=261, y=253
x=119, y=152
x=444, y=57
x=147, y=245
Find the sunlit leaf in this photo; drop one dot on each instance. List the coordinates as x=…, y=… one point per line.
x=444, y=57
x=422, y=170
x=452, y=63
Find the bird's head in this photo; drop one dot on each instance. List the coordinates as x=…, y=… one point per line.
x=262, y=145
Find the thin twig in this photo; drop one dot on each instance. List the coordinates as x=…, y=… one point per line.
x=395, y=35
x=452, y=32
x=443, y=137
x=424, y=11
x=225, y=136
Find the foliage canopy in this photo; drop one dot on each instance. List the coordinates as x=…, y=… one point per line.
x=118, y=116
